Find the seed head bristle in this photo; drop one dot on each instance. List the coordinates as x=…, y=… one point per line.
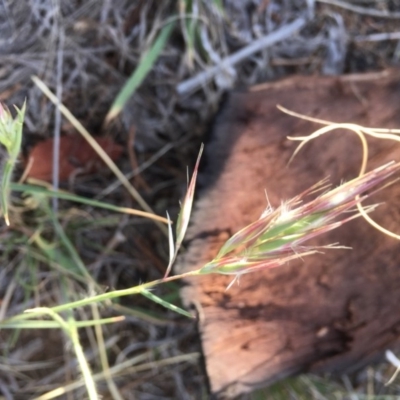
x=270, y=241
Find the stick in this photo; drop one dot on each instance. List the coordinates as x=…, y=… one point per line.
x=202, y=78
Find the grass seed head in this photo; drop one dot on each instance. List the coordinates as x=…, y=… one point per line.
x=11, y=130
x=277, y=237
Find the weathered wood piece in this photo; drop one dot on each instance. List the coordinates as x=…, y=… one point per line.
x=329, y=312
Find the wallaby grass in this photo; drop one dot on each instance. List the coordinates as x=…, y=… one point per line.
x=131, y=347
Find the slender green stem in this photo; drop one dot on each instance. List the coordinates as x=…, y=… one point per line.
x=6, y=179
x=120, y=293
x=99, y=298
x=83, y=364
x=71, y=331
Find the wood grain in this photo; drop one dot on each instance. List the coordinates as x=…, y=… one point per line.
x=329, y=312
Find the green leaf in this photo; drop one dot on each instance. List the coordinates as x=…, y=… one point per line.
x=33, y=189
x=145, y=65
x=56, y=256
x=44, y=324
x=164, y=303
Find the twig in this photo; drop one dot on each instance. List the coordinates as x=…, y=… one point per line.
x=362, y=10
x=395, y=362
x=57, y=118
x=137, y=179
x=137, y=171
x=202, y=78
x=377, y=37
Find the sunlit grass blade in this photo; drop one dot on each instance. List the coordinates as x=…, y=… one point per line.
x=28, y=324
x=184, y=214
x=189, y=26
x=17, y=187
x=145, y=65
x=11, y=139
x=130, y=366
x=164, y=303
x=105, y=365
x=170, y=243
x=71, y=330
x=5, y=188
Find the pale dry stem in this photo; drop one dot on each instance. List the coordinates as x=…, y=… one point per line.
x=361, y=132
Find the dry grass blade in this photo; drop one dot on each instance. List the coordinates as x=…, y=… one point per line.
x=105, y=157
x=184, y=215
x=116, y=395
x=361, y=132
x=72, y=332
x=127, y=367
x=362, y=10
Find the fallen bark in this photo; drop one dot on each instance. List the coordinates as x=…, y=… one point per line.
x=335, y=311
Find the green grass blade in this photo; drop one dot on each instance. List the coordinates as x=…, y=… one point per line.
x=17, y=187
x=71, y=330
x=5, y=185
x=112, y=294
x=28, y=324
x=48, y=256
x=164, y=303
x=145, y=64
x=69, y=247
x=56, y=256
x=220, y=6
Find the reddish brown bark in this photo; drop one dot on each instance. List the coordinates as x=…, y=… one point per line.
x=76, y=156
x=330, y=312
